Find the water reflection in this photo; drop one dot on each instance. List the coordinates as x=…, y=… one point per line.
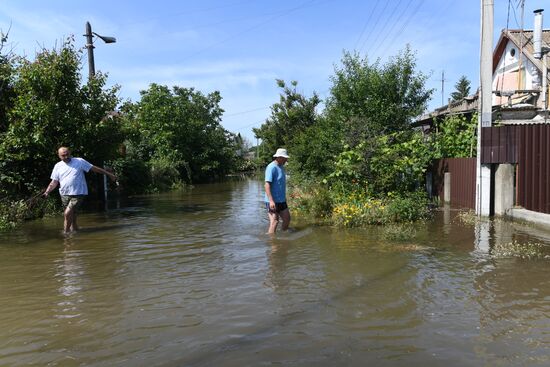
x=190, y=278
x=69, y=273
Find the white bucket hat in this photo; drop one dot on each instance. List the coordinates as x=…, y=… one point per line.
x=281, y=153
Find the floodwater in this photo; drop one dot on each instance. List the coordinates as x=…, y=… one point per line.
x=190, y=279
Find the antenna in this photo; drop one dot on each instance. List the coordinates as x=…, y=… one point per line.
x=520, y=74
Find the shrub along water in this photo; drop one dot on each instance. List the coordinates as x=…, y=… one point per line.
x=356, y=208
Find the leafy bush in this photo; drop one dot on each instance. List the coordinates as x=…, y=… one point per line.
x=315, y=201
x=14, y=212
x=356, y=207
x=165, y=174
x=408, y=207
x=133, y=175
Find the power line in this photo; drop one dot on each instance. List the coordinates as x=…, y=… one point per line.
x=248, y=111
x=249, y=125
x=391, y=29
x=405, y=24
x=303, y=5
x=366, y=23
x=386, y=23
x=375, y=24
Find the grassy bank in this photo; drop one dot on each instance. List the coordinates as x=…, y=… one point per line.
x=356, y=208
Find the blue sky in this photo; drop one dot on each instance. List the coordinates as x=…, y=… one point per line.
x=240, y=47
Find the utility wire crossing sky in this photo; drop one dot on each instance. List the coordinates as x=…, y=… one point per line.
x=241, y=47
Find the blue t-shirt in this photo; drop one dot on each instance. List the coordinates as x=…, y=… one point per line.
x=71, y=176
x=275, y=175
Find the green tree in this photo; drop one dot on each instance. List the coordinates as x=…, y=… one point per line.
x=375, y=105
x=290, y=117
x=373, y=99
x=462, y=89
x=315, y=148
x=179, y=129
x=6, y=83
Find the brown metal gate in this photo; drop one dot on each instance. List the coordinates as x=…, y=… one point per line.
x=533, y=189
x=463, y=180
x=528, y=146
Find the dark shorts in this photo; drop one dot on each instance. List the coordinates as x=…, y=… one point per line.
x=279, y=207
x=72, y=201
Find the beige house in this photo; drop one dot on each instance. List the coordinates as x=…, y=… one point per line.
x=518, y=76
x=517, y=83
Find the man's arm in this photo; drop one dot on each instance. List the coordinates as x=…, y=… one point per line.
x=102, y=171
x=268, y=193
x=53, y=184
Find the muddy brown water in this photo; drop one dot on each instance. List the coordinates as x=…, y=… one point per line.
x=190, y=279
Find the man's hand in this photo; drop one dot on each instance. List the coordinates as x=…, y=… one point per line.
x=271, y=205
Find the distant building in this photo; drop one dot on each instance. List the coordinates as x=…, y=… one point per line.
x=517, y=84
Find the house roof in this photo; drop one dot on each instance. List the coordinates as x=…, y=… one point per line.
x=522, y=40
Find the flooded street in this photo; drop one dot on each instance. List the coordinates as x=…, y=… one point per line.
x=191, y=279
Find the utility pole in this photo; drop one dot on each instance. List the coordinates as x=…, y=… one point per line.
x=91, y=74
x=483, y=176
x=520, y=74
x=443, y=87
x=90, y=46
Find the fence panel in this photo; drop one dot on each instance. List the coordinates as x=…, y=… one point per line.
x=463, y=180
x=533, y=171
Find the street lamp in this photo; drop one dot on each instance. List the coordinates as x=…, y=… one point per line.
x=91, y=73
x=90, y=46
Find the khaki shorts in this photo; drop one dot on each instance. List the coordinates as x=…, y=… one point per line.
x=72, y=201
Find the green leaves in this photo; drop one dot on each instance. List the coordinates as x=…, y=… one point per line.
x=455, y=137
x=182, y=127
x=50, y=107
x=372, y=99
x=290, y=117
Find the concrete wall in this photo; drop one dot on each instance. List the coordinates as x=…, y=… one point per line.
x=504, y=188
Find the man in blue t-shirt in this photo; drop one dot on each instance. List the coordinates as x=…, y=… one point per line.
x=68, y=173
x=275, y=192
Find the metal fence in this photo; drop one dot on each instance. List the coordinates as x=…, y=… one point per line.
x=533, y=170
x=463, y=180
x=526, y=146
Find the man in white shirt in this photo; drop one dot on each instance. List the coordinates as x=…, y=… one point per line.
x=69, y=175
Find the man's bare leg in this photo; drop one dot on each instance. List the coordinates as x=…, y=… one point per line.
x=285, y=216
x=273, y=222
x=74, y=226
x=68, y=222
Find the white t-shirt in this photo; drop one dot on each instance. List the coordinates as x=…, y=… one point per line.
x=71, y=176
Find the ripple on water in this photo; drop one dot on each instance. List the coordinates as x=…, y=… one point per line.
x=191, y=279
